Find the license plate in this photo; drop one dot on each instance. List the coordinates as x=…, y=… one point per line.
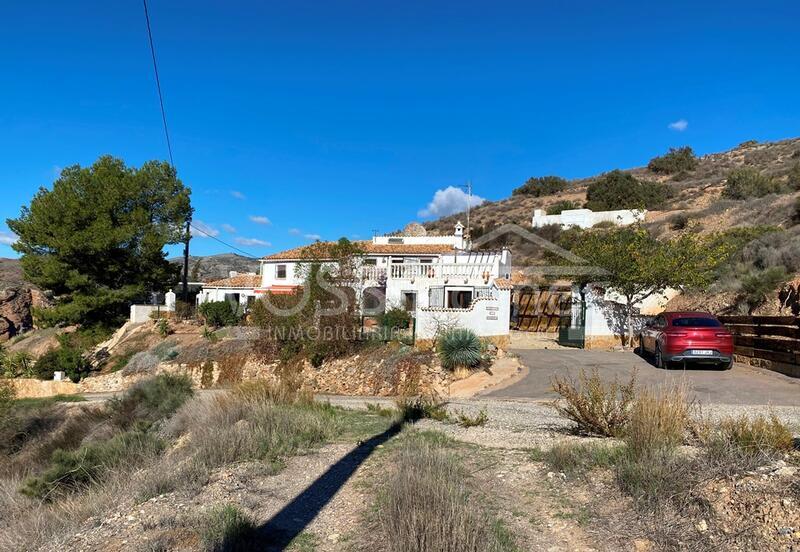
x=702, y=352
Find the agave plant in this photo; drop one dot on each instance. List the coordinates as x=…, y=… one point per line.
x=459, y=348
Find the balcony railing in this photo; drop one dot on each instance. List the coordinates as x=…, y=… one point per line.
x=409, y=271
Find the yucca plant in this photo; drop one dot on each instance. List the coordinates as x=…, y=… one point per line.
x=459, y=348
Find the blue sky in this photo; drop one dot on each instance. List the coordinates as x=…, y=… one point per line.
x=292, y=120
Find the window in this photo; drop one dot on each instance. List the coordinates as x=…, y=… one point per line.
x=459, y=298
x=426, y=261
x=696, y=322
x=395, y=240
x=436, y=297
x=280, y=271
x=370, y=262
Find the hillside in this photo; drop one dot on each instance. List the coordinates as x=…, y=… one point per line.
x=216, y=267
x=204, y=269
x=752, y=279
x=697, y=196
x=10, y=273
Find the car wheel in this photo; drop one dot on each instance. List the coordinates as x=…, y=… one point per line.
x=726, y=365
x=642, y=352
x=658, y=358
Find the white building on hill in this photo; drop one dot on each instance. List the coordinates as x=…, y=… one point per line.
x=586, y=218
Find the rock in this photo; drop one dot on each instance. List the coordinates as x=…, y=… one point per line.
x=701, y=526
x=15, y=312
x=783, y=531
x=333, y=537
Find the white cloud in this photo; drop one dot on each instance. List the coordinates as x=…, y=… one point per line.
x=237, y=194
x=252, y=242
x=202, y=230
x=228, y=228
x=448, y=201
x=312, y=237
x=679, y=126
x=295, y=231
x=7, y=238
x=260, y=219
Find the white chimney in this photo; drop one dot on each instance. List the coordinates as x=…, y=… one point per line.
x=459, y=235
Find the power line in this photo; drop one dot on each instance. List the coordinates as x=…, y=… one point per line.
x=243, y=252
x=169, y=149
x=158, y=84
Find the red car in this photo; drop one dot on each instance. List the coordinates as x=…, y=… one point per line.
x=687, y=337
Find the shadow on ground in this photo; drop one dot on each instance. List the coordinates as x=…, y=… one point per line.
x=289, y=522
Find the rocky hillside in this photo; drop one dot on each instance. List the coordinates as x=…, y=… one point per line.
x=216, y=267
x=10, y=273
x=696, y=194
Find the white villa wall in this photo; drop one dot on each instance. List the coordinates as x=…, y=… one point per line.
x=218, y=294
x=605, y=314
x=486, y=317
x=586, y=218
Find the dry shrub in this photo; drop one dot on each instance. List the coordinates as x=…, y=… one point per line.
x=735, y=445
x=230, y=369
x=650, y=470
x=226, y=529
x=257, y=421
x=597, y=407
x=659, y=419
x=430, y=505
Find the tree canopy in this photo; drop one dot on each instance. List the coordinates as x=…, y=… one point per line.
x=542, y=186
x=621, y=190
x=638, y=265
x=674, y=161
x=96, y=239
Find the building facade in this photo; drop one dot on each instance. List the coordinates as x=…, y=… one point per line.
x=586, y=218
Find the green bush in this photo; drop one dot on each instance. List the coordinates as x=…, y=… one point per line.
x=226, y=529
x=71, y=471
x=675, y=161
x=151, y=400
x=542, y=186
x=459, y=348
x=748, y=182
x=558, y=206
x=219, y=313
x=64, y=358
x=395, y=318
x=621, y=190
x=758, y=285
x=679, y=221
x=793, y=178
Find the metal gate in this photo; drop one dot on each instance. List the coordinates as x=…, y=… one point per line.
x=572, y=327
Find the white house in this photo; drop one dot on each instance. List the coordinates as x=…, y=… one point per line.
x=238, y=289
x=586, y=218
x=436, y=278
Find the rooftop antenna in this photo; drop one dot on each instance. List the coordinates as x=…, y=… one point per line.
x=468, y=188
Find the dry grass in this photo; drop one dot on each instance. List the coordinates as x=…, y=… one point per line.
x=429, y=504
x=658, y=419
x=596, y=407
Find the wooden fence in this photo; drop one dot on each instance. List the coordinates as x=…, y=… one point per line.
x=540, y=310
x=774, y=339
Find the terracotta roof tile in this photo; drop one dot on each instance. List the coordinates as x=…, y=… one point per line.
x=321, y=250
x=503, y=283
x=238, y=281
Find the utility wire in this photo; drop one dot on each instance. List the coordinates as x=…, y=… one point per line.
x=158, y=83
x=245, y=253
x=166, y=129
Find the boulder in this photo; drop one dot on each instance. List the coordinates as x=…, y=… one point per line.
x=15, y=312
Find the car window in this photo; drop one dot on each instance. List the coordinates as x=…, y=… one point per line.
x=696, y=322
x=660, y=322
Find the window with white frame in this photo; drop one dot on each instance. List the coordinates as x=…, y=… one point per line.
x=280, y=272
